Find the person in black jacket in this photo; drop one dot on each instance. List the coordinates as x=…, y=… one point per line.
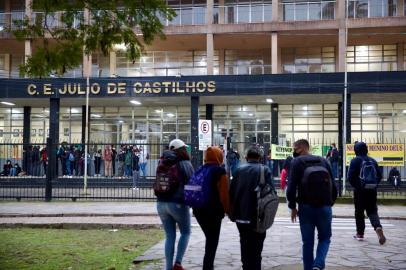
x=394, y=177
x=364, y=199
x=311, y=177
x=243, y=207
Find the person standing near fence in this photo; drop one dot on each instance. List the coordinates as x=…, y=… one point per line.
x=108, y=159
x=113, y=163
x=121, y=159
x=333, y=156
x=136, y=168
x=144, y=156
x=44, y=159
x=97, y=162
x=128, y=162
x=364, y=176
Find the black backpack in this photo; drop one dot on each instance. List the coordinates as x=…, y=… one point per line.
x=316, y=182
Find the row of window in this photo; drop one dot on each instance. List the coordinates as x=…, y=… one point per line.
x=236, y=62
x=373, y=122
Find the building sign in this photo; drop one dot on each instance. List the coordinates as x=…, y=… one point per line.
x=280, y=152
x=316, y=150
x=205, y=134
x=124, y=88
x=384, y=154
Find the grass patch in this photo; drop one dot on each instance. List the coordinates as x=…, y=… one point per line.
x=73, y=249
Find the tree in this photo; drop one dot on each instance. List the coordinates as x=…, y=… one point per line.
x=62, y=34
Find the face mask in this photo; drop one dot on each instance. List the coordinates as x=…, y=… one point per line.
x=295, y=154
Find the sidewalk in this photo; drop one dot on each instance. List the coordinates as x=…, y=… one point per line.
x=123, y=214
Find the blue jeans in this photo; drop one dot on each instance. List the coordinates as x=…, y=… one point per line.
x=136, y=177
x=143, y=167
x=128, y=170
x=172, y=214
x=334, y=168
x=68, y=167
x=311, y=218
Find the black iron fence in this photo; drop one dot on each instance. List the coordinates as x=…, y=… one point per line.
x=56, y=171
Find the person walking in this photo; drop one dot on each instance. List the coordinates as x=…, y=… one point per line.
x=144, y=156
x=311, y=177
x=108, y=159
x=212, y=213
x=171, y=206
x=233, y=160
x=364, y=176
x=285, y=174
x=243, y=207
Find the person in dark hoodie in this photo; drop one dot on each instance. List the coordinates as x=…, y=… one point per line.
x=243, y=207
x=171, y=207
x=364, y=199
x=394, y=177
x=210, y=216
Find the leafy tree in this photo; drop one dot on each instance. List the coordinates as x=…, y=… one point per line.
x=60, y=33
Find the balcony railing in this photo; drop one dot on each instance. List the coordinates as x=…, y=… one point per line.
x=252, y=13
x=308, y=11
x=191, y=15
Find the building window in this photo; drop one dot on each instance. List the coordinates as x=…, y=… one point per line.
x=16, y=61
x=3, y=73
x=167, y=63
x=191, y=12
x=100, y=65
x=372, y=58
x=295, y=10
x=308, y=60
x=371, y=8
x=242, y=62
x=243, y=11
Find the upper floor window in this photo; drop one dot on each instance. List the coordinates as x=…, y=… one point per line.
x=242, y=11
x=371, y=8
x=308, y=60
x=243, y=62
x=299, y=10
x=372, y=58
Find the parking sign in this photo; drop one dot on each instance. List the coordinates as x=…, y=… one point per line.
x=205, y=134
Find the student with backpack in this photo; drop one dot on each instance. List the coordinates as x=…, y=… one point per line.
x=311, y=177
x=207, y=193
x=243, y=206
x=364, y=176
x=173, y=172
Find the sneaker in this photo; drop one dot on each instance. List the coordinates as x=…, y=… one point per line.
x=316, y=268
x=381, y=237
x=177, y=266
x=359, y=237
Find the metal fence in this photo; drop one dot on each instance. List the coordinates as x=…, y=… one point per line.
x=34, y=179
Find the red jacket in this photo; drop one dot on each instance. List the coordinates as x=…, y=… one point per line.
x=284, y=178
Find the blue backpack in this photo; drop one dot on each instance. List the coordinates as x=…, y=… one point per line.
x=368, y=175
x=197, y=192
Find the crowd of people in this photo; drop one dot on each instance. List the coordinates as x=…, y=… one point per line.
x=219, y=188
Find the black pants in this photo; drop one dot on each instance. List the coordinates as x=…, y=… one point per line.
x=365, y=200
x=97, y=163
x=251, y=247
x=211, y=228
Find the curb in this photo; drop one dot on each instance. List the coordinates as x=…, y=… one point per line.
x=79, y=226
x=81, y=215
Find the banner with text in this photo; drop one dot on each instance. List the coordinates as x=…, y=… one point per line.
x=281, y=152
x=384, y=154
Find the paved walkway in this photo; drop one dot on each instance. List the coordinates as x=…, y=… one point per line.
x=282, y=249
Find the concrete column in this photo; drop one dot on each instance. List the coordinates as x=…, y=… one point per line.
x=348, y=118
x=210, y=53
x=275, y=10
x=221, y=12
x=54, y=108
x=276, y=52
x=113, y=63
x=209, y=15
x=27, y=44
x=222, y=61
x=26, y=135
x=400, y=59
x=87, y=59
x=342, y=50
x=340, y=9
x=400, y=8
x=7, y=64
x=209, y=111
x=194, y=131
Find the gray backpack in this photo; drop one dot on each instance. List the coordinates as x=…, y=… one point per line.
x=267, y=204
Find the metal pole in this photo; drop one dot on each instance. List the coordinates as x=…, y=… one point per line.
x=86, y=134
x=345, y=100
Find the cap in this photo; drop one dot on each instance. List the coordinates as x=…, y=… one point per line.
x=176, y=144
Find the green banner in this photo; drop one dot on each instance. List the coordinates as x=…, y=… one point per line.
x=281, y=152
x=316, y=150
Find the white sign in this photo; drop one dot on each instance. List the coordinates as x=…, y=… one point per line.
x=205, y=134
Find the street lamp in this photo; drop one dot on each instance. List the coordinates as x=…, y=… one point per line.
x=345, y=99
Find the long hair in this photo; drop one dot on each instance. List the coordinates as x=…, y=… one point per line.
x=182, y=153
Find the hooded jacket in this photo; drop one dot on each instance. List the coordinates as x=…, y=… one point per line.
x=361, y=152
x=243, y=197
x=219, y=198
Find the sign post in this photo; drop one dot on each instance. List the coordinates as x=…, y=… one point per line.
x=205, y=134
